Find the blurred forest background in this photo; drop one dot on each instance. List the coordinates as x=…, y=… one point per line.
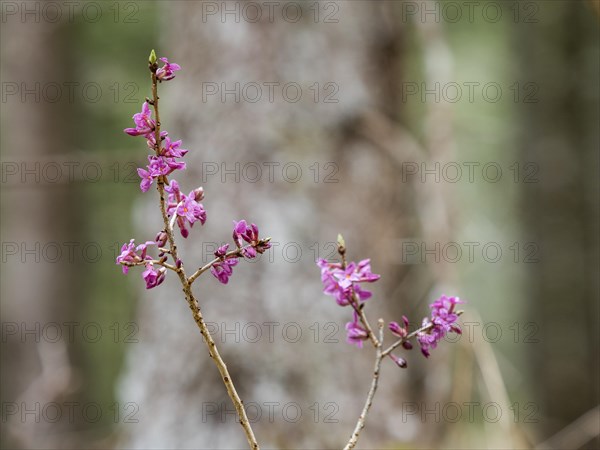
x=395, y=96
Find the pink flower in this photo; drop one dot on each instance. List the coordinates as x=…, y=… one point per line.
x=129, y=254
x=167, y=72
x=443, y=320
x=223, y=269
x=342, y=283
x=330, y=284
x=153, y=277
x=162, y=165
x=191, y=210
x=249, y=233
x=173, y=189
x=364, y=270
x=239, y=228
x=151, y=139
x=355, y=333
x=221, y=251
x=399, y=331
x=171, y=149
x=158, y=166
x=186, y=207
x=147, y=179
x=144, y=125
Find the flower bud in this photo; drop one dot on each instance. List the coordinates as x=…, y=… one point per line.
x=221, y=251
x=401, y=362
x=161, y=239
x=407, y=345
x=263, y=244
x=199, y=194
x=406, y=323
x=397, y=329
x=341, y=244
x=250, y=252
x=162, y=272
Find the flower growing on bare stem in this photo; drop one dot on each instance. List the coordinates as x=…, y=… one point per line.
x=443, y=320
x=342, y=281
x=184, y=210
x=181, y=209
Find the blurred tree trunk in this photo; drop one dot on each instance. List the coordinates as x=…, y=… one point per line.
x=36, y=290
x=561, y=210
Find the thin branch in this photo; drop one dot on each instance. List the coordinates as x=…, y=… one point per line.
x=207, y=266
x=409, y=336
x=360, y=424
x=238, y=252
x=158, y=262
x=189, y=296
x=363, y=318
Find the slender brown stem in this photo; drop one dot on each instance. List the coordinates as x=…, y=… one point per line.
x=360, y=424
x=207, y=266
x=237, y=253
x=379, y=356
x=409, y=336
x=154, y=261
x=187, y=289
x=363, y=318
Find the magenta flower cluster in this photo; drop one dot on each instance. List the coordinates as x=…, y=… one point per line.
x=433, y=329
x=183, y=210
x=223, y=269
x=249, y=233
x=355, y=332
x=167, y=72
x=132, y=254
x=442, y=321
x=343, y=282
x=186, y=208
